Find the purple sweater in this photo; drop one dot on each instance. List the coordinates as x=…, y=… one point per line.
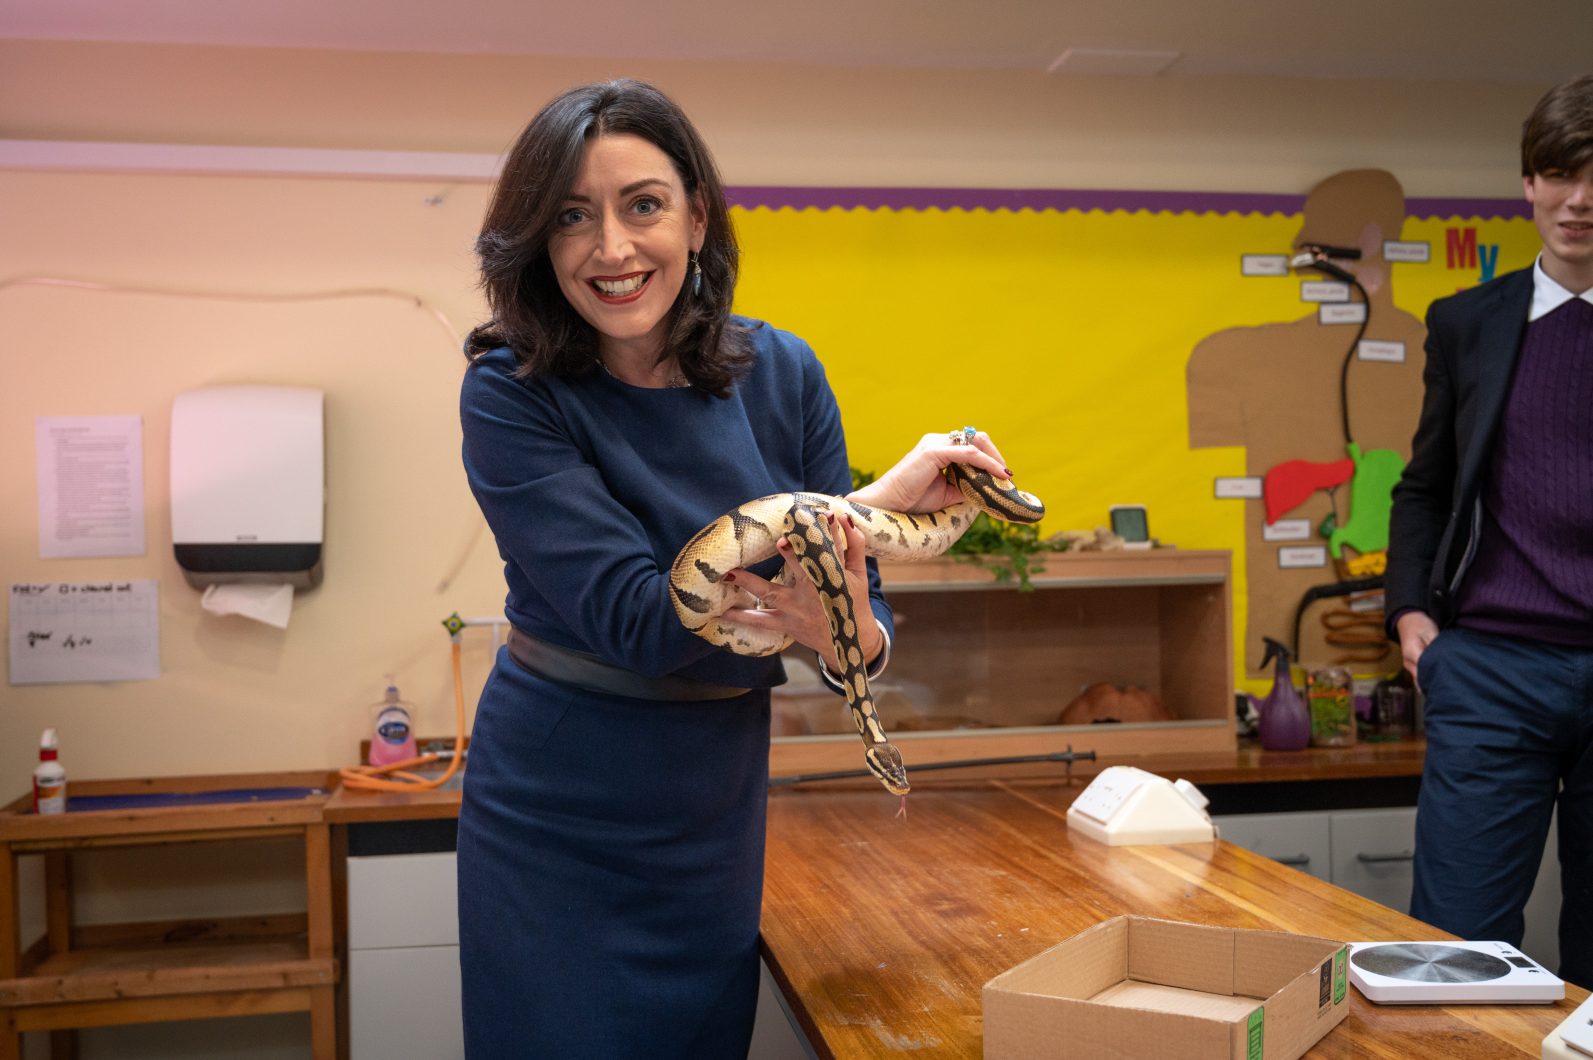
x=1533, y=571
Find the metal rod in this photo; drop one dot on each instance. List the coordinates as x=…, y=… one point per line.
x=1069, y=756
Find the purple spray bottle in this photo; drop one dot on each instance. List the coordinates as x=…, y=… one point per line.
x=1285, y=722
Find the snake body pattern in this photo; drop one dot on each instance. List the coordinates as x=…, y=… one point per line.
x=748, y=535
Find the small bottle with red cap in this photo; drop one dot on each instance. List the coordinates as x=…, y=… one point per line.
x=49, y=777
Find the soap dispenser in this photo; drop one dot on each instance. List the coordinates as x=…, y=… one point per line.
x=393, y=739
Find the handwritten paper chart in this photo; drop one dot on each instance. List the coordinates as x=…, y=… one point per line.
x=84, y=631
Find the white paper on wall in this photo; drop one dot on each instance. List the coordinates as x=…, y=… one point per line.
x=91, y=485
x=84, y=631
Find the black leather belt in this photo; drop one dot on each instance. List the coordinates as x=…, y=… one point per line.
x=570, y=667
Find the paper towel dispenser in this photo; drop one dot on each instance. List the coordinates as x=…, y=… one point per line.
x=248, y=484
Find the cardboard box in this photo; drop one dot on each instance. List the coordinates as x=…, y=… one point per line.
x=1135, y=987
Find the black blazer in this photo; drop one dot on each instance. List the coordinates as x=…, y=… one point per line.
x=1472, y=342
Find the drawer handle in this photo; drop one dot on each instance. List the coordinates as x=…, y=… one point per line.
x=1375, y=859
x=1294, y=859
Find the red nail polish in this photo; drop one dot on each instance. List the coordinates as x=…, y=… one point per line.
x=1008, y=471
x=728, y=578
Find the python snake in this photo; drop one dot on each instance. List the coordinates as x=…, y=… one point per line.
x=749, y=534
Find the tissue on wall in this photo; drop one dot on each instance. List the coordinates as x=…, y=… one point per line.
x=248, y=485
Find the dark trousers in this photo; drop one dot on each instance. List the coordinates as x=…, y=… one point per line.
x=1509, y=732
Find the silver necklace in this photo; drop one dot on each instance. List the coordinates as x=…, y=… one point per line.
x=677, y=379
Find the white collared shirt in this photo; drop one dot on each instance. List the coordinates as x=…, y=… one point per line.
x=1547, y=295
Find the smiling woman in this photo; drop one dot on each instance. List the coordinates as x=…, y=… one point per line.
x=611, y=832
x=607, y=202
x=626, y=238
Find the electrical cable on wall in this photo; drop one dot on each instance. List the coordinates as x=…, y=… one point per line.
x=1357, y=634
x=441, y=318
x=1316, y=256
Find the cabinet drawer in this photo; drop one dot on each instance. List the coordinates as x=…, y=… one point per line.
x=405, y=1002
x=1299, y=840
x=1373, y=854
x=403, y=900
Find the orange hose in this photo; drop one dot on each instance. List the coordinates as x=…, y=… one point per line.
x=377, y=778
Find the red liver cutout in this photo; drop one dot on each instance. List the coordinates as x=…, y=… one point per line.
x=1292, y=482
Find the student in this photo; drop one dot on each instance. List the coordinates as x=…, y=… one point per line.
x=612, y=831
x=1490, y=579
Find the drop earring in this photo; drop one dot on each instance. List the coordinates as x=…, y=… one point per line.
x=696, y=274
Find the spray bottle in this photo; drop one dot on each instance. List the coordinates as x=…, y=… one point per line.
x=1285, y=722
x=49, y=777
x=394, y=737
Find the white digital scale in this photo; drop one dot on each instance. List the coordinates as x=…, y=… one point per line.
x=1125, y=806
x=1450, y=973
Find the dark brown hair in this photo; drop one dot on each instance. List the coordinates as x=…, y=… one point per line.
x=530, y=314
x=1558, y=135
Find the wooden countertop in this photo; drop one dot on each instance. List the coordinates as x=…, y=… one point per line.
x=881, y=931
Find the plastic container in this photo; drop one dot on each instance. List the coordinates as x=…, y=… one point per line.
x=49, y=777
x=393, y=736
x=1394, y=708
x=1332, y=705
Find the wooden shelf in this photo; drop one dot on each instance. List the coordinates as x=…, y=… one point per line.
x=117, y=972
x=981, y=670
x=100, y=975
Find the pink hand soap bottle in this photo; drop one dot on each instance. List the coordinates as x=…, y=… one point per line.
x=394, y=737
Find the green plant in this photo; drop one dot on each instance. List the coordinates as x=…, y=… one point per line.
x=1009, y=551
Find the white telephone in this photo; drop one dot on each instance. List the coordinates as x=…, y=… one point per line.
x=1126, y=806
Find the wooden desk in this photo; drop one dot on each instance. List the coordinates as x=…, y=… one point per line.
x=881, y=932
x=109, y=974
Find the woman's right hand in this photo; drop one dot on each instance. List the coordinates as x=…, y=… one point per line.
x=916, y=484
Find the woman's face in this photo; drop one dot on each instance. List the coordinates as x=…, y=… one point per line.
x=620, y=243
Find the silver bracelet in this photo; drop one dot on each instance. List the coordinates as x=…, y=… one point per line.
x=875, y=668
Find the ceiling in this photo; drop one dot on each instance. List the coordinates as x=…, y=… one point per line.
x=1470, y=40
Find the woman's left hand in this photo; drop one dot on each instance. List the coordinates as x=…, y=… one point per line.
x=916, y=484
x=796, y=610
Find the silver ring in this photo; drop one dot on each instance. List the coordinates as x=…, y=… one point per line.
x=965, y=436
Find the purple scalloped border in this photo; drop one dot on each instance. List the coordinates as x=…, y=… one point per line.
x=774, y=198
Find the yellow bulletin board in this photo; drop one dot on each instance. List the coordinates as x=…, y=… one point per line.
x=1063, y=328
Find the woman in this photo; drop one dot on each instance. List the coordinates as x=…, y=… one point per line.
x=611, y=835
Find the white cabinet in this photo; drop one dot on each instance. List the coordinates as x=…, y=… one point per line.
x=405, y=1002
x=403, y=965
x=403, y=959
x=1371, y=852
x=1299, y=840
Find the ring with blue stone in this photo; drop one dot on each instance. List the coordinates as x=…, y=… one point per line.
x=964, y=436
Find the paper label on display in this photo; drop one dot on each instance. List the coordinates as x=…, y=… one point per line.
x=1229, y=488
x=1264, y=264
x=1324, y=291
x=1395, y=250
x=1364, y=602
x=1287, y=530
x=1302, y=556
x=1348, y=313
x=1392, y=352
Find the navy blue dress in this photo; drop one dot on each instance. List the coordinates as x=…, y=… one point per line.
x=611, y=849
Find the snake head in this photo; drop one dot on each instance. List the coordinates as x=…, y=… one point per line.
x=885, y=762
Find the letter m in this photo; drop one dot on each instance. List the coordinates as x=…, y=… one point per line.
x=1460, y=248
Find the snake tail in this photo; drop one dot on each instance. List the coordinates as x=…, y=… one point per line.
x=820, y=555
